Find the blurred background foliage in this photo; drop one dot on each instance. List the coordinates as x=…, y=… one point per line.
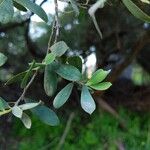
x=124, y=49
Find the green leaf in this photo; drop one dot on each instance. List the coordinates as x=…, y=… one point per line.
x=63, y=96
x=28, y=106
x=1, y=1
x=3, y=59
x=16, y=111
x=50, y=80
x=50, y=58
x=46, y=115
x=59, y=48
x=101, y=86
x=6, y=11
x=69, y=72
x=19, y=7
x=87, y=102
x=98, y=76
x=34, y=8
x=75, y=7
x=26, y=120
x=136, y=11
x=3, y=104
x=27, y=75
x=75, y=61
x=16, y=78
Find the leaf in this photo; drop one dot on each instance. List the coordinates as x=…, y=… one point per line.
x=136, y=11
x=63, y=96
x=50, y=80
x=46, y=115
x=26, y=120
x=145, y=1
x=6, y=11
x=16, y=78
x=50, y=58
x=69, y=72
x=75, y=7
x=75, y=61
x=34, y=8
x=59, y=48
x=101, y=86
x=28, y=106
x=98, y=76
x=1, y=1
x=87, y=102
x=27, y=75
x=16, y=111
x=3, y=59
x=3, y=104
x=19, y=7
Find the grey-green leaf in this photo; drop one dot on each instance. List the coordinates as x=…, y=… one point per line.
x=75, y=61
x=63, y=96
x=49, y=58
x=16, y=111
x=1, y=1
x=136, y=11
x=27, y=75
x=28, y=106
x=3, y=104
x=98, y=76
x=46, y=115
x=101, y=86
x=87, y=102
x=6, y=11
x=59, y=48
x=3, y=59
x=34, y=8
x=50, y=80
x=69, y=72
x=26, y=120
x=19, y=7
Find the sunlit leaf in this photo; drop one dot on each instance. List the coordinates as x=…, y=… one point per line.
x=98, y=76
x=28, y=106
x=50, y=58
x=101, y=86
x=16, y=111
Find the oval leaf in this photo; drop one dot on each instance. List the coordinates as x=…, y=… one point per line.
x=16, y=111
x=63, y=96
x=59, y=48
x=101, y=86
x=50, y=58
x=26, y=121
x=136, y=11
x=98, y=76
x=46, y=115
x=50, y=80
x=28, y=106
x=69, y=72
x=3, y=59
x=3, y=104
x=34, y=8
x=87, y=102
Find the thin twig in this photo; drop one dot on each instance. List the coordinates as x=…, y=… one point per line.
x=57, y=21
x=26, y=88
x=66, y=131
